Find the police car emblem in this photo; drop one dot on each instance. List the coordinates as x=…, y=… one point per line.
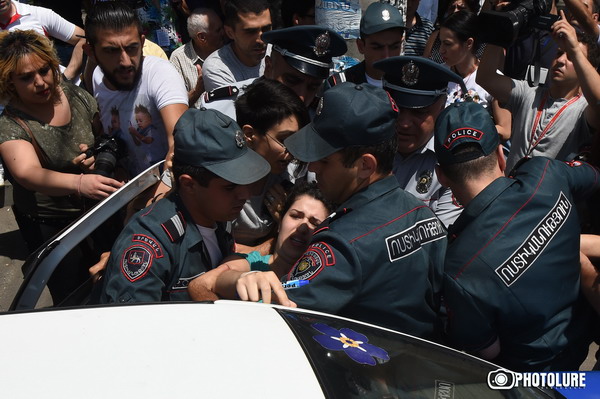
x=239, y=139
x=410, y=74
x=136, y=262
x=322, y=43
x=319, y=107
x=385, y=15
x=424, y=181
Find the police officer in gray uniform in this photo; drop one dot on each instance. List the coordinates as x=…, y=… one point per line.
x=419, y=87
x=379, y=257
x=187, y=233
x=301, y=58
x=512, y=270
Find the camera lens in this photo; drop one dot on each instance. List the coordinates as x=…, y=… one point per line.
x=105, y=163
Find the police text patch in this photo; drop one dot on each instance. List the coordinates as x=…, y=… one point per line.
x=136, y=262
x=316, y=257
x=462, y=133
x=158, y=252
x=412, y=239
x=520, y=260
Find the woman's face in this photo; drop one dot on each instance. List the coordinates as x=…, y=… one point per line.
x=270, y=146
x=297, y=225
x=33, y=80
x=452, y=50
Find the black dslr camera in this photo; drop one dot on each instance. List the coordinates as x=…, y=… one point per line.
x=107, y=150
x=502, y=28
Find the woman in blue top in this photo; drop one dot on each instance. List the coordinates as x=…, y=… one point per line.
x=304, y=210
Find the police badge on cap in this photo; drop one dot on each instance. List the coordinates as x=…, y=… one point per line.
x=322, y=43
x=410, y=74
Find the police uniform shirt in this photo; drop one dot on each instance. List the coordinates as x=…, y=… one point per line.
x=416, y=174
x=512, y=268
x=377, y=259
x=223, y=98
x=157, y=254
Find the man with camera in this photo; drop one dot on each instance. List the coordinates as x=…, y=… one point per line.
x=178, y=238
x=138, y=91
x=511, y=273
x=554, y=120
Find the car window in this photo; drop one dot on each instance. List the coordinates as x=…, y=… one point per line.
x=353, y=360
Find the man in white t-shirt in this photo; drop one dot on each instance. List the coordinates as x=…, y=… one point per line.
x=555, y=120
x=243, y=58
x=140, y=98
x=18, y=16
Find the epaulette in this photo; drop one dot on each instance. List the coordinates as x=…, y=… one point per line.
x=174, y=227
x=334, y=216
x=220, y=93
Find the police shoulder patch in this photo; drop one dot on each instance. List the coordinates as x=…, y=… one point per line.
x=318, y=256
x=136, y=261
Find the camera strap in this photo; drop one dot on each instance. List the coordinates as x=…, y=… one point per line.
x=537, y=63
x=532, y=141
x=40, y=154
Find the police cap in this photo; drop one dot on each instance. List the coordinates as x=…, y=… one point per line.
x=307, y=48
x=209, y=139
x=416, y=82
x=347, y=115
x=379, y=17
x=460, y=124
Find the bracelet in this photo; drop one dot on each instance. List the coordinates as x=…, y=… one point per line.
x=79, y=185
x=250, y=272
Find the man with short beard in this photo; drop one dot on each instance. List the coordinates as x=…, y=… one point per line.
x=243, y=58
x=125, y=79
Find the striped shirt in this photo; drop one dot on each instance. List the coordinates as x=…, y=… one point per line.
x=417, y=36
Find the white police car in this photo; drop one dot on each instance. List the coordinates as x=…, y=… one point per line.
x=227, y=349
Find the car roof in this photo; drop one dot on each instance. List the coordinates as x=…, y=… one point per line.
x=153, y=351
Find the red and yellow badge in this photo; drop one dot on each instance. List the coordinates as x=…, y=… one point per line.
x=318, y=256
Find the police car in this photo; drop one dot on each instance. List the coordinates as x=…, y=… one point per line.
x=225, y=349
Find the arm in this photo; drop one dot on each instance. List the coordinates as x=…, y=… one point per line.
x=195, y=93
x=564, y=34
x=430, y=42
x=74, y=67
x=503, y=119
x=590, y=246
x=583, y=16
x=170, y=115
x=499, y=86
x=21, y=159
x=590, y=282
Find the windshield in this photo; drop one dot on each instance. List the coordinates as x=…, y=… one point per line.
x=353, y=360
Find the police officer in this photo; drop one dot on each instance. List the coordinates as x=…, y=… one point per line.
x=379, y=257
x=511, y=276
x=187, y=233
x=301, y=57
x=419, y=86
x=381, y=31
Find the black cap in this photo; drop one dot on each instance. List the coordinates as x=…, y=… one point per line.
x=207, y=138
x=347, y=115
x=379, y=17
x=307, y=48
x=462, y=123
x=416, y=82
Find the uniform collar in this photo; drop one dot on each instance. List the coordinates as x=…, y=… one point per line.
x=480, y=203
x=374, y=190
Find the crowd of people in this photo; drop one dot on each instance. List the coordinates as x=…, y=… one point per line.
x=442, y=187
